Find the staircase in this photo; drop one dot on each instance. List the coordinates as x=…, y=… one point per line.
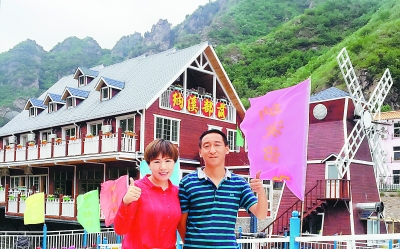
x=313, y=199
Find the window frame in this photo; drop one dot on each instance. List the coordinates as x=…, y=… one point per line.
x=66, y=128
x=171, y=131
x=72, y=100
x=94, y=123
x=232, y=144
x=32, y=111
x=396, y=153
x=52, y=107
x=82, y=80
x=126, y=117
x=102, y=90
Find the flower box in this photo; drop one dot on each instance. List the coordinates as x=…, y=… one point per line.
x=58, y=140
x=1, y=188
x=130, y=133
x=66, y=198
x=19, y=146
x=89, y=135
x=44, y=142
x=23, y=197
x=31, y=143
x=51, y=197
x=8, y=147
x=11, y=197
x=72, y=138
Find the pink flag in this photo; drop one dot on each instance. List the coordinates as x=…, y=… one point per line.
x=111, y=195
x=276, y=130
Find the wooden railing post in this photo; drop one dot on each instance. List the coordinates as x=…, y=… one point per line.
x=6, y=193
x=100, y=141
x=60, y=201
x=119, y=139
x=83, y=140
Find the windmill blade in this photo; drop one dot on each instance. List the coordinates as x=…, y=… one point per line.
x=351, y=80
x=350, y=148
x=381, y=91
x=377, y=153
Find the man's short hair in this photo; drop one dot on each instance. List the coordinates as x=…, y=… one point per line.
x=224, y=138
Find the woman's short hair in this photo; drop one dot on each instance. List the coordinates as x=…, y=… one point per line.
x=163, y=147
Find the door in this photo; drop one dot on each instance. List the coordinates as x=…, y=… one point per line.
x=332, y=180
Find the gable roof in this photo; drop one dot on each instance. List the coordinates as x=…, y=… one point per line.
x=145, y=78
x=85, y=71
x=110, y=82
x=82, y=94
x=35, y=103
x=51, y=97
x=327, y=94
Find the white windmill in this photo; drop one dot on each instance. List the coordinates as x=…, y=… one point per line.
x=365, y=126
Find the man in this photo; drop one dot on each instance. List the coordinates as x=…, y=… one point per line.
x=211, y=197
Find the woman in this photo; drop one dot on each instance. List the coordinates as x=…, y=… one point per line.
x=149, y=213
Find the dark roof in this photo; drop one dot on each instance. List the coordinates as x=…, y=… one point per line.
x=330, y=93
x=56, y=98
x=114, y=83
x=78, y=92
x=37, y=103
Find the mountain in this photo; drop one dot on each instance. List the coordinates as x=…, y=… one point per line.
x=263, y=44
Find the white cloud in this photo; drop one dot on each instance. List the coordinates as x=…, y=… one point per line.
x=49, y=22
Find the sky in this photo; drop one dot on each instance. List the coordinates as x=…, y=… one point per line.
x=49, y=22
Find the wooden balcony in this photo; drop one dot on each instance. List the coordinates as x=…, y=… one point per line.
x=103, y=143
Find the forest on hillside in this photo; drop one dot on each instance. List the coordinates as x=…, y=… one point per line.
x=263, y=46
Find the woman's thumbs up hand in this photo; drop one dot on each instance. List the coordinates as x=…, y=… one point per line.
x=133, y=192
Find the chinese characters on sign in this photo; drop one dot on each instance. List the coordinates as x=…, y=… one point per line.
x=194, y=104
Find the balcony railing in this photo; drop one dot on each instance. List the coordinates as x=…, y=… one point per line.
x=230, y=110
x=115, y=142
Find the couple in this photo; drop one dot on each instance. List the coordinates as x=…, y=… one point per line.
x=203, y=209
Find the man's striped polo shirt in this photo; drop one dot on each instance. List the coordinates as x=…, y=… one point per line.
x=213, y=211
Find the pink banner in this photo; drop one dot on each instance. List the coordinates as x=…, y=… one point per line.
x=276, y=130
x=111, y=195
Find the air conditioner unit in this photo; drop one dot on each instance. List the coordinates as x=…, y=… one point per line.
x=106, y=128
x=28, y=171
x=31, y=137
x=51, y=136
x=12, y=139
x=201, y=90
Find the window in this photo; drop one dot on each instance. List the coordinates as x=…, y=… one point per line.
x=71, y=102
x=52, y=107
x=396, y=176
x=45, y=135
x=63, y=182
x=167, y=129
x=212, y=127
x=70, y=132
x=396, y=153
x=94, y=129
x=396, y=129
x=232, y=140
x=32, y=111
x=90, y=180
x=16, y=181
x=127, y=124
x=105, y=93
x=115, y=173
x=82, y=80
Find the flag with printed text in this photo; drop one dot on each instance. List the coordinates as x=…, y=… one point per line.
x=34, y=209
x=276, y=130
x=111, y=195
x=88, y=207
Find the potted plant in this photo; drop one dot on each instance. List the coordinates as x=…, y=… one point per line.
x=107, y=134
x=130, y=133
x=19, y=146
x=11, y=197
x=1, y=188
x=58, y=140
x=66, y=198
x=31, y=143
x=44, y=142
x=89, y=135
x=23, y=197
x=73, y=138
x=8, y=147
x=50, y=197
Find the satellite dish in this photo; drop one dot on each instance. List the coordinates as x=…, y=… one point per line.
x=320, y=111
